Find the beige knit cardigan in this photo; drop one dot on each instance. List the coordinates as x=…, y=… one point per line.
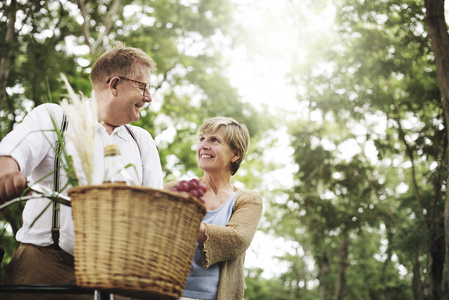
x=227, y=245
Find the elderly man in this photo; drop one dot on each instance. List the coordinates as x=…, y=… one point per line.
x=120, y=88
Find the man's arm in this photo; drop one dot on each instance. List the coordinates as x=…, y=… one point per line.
x=12, y=182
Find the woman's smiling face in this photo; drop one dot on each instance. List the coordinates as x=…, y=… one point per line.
x=214, y=153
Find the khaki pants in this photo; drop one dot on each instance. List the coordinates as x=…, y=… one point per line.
x=32, y=264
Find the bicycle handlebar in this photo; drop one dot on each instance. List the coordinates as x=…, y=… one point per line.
x=40, y=192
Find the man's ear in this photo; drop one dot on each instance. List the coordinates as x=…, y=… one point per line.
x=113, y=85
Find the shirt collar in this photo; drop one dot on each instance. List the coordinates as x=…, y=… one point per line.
x=120, y=131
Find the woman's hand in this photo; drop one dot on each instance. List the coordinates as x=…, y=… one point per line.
x=202, y=234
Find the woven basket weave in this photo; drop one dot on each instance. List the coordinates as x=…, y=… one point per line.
x=134, y=241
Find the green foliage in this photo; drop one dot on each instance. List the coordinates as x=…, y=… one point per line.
x=286, y=287
x=9, y=217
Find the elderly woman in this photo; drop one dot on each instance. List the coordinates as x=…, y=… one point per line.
x=232, y=217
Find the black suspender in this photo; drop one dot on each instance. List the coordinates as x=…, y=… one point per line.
x=56, y=183
x=131, y=133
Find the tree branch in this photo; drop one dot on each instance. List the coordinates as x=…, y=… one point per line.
x=86, y=32
x=108, y=21
x=409, y=152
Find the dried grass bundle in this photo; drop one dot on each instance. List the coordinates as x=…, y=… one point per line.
x=82, y=117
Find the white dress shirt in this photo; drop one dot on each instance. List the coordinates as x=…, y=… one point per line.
x=31, y=144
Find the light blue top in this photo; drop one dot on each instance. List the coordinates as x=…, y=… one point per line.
x=203, y=283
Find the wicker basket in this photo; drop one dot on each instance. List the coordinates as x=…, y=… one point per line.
x=134, y=241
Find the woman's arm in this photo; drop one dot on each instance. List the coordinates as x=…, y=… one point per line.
x=230, y=241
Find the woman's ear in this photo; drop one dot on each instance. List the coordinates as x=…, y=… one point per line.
x=236, y=156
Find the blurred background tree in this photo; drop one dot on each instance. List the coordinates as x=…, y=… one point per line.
x=371, y=146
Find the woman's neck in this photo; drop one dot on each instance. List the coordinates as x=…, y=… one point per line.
x=216, y=184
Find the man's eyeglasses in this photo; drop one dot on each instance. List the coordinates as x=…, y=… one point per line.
x=146, y=89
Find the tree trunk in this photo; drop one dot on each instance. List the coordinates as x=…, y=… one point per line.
x=343, y=258
x=325, y=270
x=417, y=285
x=6, y=55
x=435, y=262
x=440, y=44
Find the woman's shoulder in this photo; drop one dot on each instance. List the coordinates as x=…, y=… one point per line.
x=249, y=195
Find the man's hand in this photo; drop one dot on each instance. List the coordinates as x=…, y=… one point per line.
x=12, y=182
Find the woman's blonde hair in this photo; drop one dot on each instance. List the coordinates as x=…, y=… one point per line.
x=236, y=135
x=121, y=61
